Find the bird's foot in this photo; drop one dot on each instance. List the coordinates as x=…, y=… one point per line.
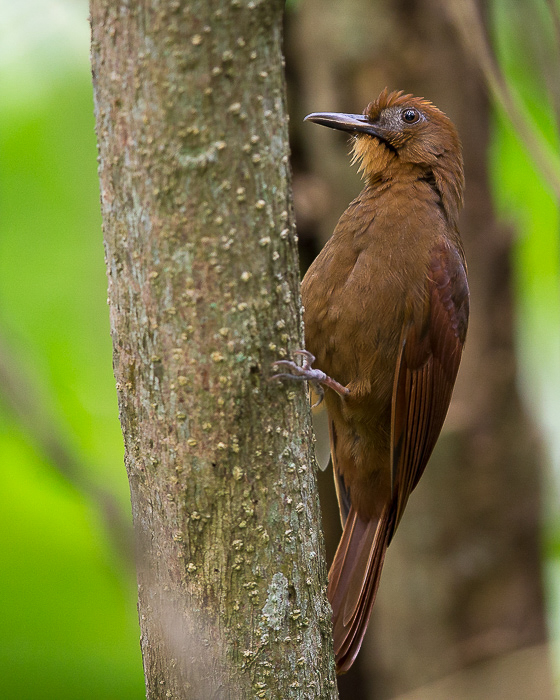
x=304, y=372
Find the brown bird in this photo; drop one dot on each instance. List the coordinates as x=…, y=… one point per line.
x=386, y=310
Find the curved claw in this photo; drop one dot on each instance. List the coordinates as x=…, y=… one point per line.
x=308, y=357
x=302, y=372
x=305, y=372
x=320, y=395
x=296, y=369
x=302, y=376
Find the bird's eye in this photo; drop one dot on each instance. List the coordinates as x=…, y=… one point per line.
x=410, y=116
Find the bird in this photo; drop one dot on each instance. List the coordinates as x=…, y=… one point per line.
x=386, y=306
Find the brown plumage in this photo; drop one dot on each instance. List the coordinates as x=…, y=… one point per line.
x=386, y=310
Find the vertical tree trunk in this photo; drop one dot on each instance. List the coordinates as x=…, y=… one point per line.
x=204, y=295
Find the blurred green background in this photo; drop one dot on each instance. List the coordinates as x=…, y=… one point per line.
x=526, y=42
x=68, y=626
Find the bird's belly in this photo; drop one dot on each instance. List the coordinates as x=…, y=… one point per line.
x=356, y=336
x=357, y=304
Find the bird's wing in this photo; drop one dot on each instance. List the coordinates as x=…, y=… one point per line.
x=426, y=369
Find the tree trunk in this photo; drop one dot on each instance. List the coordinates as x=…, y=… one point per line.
x=204, y=296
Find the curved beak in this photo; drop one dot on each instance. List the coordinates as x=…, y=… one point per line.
x=354, y=123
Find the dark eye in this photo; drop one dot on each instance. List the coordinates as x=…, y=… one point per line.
x=410, y=116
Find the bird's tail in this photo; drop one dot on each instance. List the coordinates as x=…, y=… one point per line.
x=353, y=582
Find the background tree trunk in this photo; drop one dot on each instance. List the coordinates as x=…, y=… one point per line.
x=462, y=585
x=204, y=295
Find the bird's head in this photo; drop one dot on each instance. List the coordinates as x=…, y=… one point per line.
x=399, y=133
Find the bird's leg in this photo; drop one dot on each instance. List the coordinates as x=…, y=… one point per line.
x=306, y=373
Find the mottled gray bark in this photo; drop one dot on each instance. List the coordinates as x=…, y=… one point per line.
x=204, y=295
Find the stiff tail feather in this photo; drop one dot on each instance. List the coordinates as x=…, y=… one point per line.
x=353, y=582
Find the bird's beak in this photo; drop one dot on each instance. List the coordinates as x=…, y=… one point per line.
x=354, y=123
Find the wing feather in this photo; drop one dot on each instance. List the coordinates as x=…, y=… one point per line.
x=427, y=364
x=425, y=375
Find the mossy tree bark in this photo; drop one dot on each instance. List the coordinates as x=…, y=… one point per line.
x=204, y=295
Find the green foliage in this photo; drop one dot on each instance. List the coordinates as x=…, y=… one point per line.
x=528, y=52
x=68, y=626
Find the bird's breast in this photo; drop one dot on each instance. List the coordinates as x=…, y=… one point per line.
x=367, y=282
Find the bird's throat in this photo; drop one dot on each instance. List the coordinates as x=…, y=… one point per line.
x=374, y=157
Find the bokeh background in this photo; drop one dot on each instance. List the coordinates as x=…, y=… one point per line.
x=68, y=625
